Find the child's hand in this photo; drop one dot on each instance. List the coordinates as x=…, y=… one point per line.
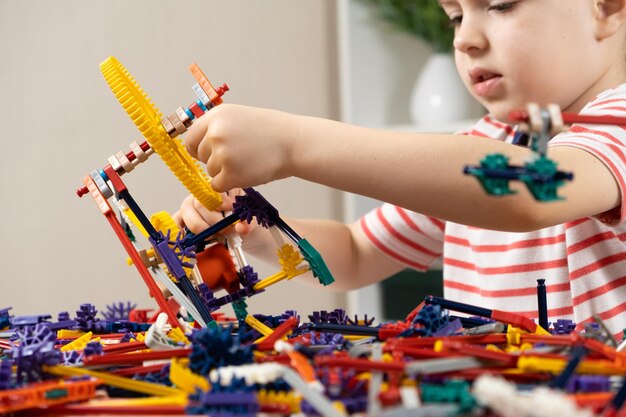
x=243, y=146
x=197, y=218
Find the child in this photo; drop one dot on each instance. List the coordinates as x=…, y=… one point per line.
x=508, y=53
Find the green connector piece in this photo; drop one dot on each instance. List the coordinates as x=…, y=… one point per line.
x=318, y=266
x=55, y=394
x=129, y=234
x=542, y=191
x=240, y=309
x=493, y=186
x=451, y=392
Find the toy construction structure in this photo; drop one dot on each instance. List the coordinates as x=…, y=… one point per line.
x=189, y=358
x=169, y=259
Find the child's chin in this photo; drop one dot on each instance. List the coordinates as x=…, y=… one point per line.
x=500, y=111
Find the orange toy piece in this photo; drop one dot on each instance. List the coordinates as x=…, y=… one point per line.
x=217, y=268
x=215, y=95
x=45, y=394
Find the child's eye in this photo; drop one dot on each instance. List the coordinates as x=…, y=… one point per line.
x=502, y=7
x=455, y=21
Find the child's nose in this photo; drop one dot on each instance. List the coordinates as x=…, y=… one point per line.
x=470, y=37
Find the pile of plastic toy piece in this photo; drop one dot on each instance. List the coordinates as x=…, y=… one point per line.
x=430, y=364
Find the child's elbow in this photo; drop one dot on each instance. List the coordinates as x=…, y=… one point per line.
x=523, y=221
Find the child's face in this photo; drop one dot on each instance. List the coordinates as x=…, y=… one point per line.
x=511, y=52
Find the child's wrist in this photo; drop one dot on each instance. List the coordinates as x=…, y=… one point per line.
x=291, y=144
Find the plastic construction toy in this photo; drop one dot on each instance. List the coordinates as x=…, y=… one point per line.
x=187, y=266
x=539, y=173
x=330, y=366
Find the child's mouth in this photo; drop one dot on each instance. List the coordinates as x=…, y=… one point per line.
x=484, y=83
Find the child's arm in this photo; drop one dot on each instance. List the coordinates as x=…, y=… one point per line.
x=246, y=146
x=349, y=254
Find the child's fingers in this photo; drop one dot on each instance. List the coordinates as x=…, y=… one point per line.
x=188, y=216
x=194, y=221
x=219, y=183
x=209, y=216
x=243, y=228
x=195, y=134
x=213, y=166
x=228, y=199
x=204, y=150
x=178, y=219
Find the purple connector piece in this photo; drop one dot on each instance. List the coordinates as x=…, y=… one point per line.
x=234, y=399
x=330, y=339
x=118, y=311
x=563, y=326
x=93, y=348
x=337, y=316
x=71, y=358
x=365, y=320
x=254, y=205
x=86, y=319
x=449, y=329
x=36, y=349
x=247, y=276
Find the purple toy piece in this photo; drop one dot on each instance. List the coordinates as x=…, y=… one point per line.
x=337, y=316
x=118, y=311
x=588, y=383
x=36, y=349
x=563, y=326
x=86, y=319
x=93, y=348
x=449, y=329
x=254, y=205
x=247, y=276
x=235, y=399
x=5, y=374
x=30, y=320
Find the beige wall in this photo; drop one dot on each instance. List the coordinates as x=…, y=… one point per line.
x=61, y=121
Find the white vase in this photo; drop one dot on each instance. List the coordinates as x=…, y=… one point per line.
x=439, y=96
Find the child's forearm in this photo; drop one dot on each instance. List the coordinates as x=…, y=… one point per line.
x=351, y=259
x=424, y=173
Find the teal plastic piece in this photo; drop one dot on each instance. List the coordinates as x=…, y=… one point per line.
x=240, y=309
x=56, y=393
x=451, y=392
x=493, y=186
x=542, y=191
x=129, y=234
x=318, y=266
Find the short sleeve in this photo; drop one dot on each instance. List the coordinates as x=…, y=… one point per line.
x=605, y=142
x=411, y=238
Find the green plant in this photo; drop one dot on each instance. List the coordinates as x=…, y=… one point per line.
x=424, y=19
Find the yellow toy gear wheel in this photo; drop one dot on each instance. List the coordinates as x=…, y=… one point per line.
x=147, y=118
x=163, y=221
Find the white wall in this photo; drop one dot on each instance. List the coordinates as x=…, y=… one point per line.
x=61, y=121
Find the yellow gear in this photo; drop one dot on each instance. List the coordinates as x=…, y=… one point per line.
x=147, y=118
x=163, y=221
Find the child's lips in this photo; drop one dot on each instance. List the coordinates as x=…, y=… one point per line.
x=485, y=87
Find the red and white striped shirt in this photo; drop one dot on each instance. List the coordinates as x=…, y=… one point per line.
x=583, y=261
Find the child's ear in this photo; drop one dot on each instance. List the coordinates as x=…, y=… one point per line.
x=610, y=16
